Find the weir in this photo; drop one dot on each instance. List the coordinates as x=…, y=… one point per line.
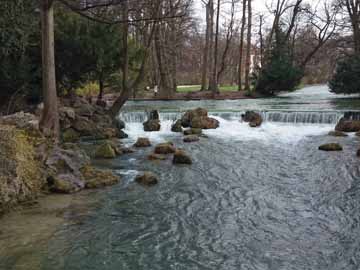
x=292, y=117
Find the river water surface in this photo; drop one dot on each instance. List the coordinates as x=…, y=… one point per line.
x=254, y=199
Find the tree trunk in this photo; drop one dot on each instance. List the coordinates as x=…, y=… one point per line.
x=125, y=66
x=173, y=49
x=101, y=87
x=49, y=123
x=213, y=85
x=205, y=63
x=248, y=50
x=211, y=39
x=241, y=48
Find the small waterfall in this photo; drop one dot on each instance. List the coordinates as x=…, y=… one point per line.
x=302, y=117
x=291, y=117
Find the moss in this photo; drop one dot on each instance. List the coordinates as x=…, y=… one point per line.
x=70, y=136
x=105, y=151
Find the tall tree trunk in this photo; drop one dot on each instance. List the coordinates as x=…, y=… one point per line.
x=205, y=63
x=248, y=50
x=49, y=123
x=211, y=39
x=173, y=49
x=125, y=66
x=261, y=40
x=213, y=85
x=101, y=87
x=241, y=48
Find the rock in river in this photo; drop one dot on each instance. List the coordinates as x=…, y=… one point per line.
x=331, y=147
x=337, y=134
x=142, y=142
x=147, y=179
x=253, y=118
x=348, y=125
x=191, y=138
x=164, y=148
x=181, y=157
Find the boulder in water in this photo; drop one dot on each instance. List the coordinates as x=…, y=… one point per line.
x=176, y=127
x=331, y=147
x=165, y=148
x=337, y=134
x=154, y=115
x=142, y=142
x=348, y=125
x=152, y=125
x=253, y=118
x=181, y=157
x=191, y=138
x=147, y=179
x=95, y=178
x=106, y=150
x=357, y=134
x=358, y=153
x=191, y=114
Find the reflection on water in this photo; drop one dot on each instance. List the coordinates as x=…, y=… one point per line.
x=254, y=199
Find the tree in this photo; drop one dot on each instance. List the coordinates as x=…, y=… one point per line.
x=347, y=76
x=241, y=48
x=248, y=49
x=205, y=62
x=49, y=122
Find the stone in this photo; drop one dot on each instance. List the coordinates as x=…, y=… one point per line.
x=348, y=125
x=204, y=123
x=164, y=148
x=154, y=156
x=70, y=136
x=147, y=179
x=106, y=150
x=181, y=157
x=253, y=118
x=337, y=134
x=121, y=134
x=152, y=125
x=191, y=138
x=84, y=126
x=358, y=153
x=119, y=124
x=142, y=142
x=331, y=147
x=193, y=131
x=357, y=134
x=154, y=115
x=65, y=183
x=67, y=112
x=21, y=170
x=95, y=178
x=191, y=114
x=176, y=127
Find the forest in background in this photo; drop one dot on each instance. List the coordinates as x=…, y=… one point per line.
x=123, y=46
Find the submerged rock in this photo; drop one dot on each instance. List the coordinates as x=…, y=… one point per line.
x=191, y=138
x=176, y=127
x=331, y=147
x=142, y=142
x=253, y=118
x=154, y=156
x=147, y=179
x=95, y=178
x=181, y=157
x=193, y=131
x=106, y=150
x=337, y=134
x=66, y=183
x=165, y=148
x=348, y=125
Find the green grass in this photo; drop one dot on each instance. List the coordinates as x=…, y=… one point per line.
x=194, y=88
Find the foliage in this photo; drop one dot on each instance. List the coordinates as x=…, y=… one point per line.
x=280, y=72
x=19, y=40
x=347, y=76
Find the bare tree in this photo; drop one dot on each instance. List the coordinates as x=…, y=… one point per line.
x=208, y=39
x=249, y=48
x=241, y=48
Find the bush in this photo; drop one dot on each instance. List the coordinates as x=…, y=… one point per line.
x=280, y=74
x=346, y=79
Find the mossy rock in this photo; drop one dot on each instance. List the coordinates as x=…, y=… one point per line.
x=95, y=178
x=331, y=147
x=105, y=150
x=155, y=157
x=142, y=142
x=70, y=136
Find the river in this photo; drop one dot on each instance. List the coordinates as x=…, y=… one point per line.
x=254, y=199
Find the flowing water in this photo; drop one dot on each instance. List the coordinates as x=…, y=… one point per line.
x=254, y=199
